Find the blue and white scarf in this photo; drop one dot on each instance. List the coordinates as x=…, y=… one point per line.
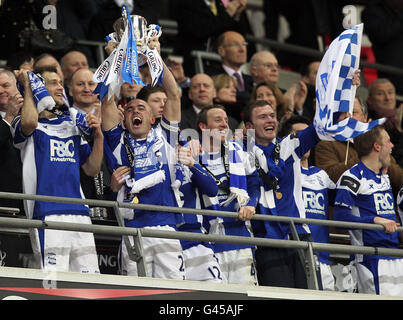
x=266, y=193
x=335, y=92
x=150, y=163
x=43, y=100
x=237, y=179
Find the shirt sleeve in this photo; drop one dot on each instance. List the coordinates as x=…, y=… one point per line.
x=112, y=136
x=346, y=198
x=170, y=130
x=19, y=138
x=203, y=181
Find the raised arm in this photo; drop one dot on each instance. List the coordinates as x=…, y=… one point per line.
x=172, y=109
x=111, y=116
x=29, y=113
x=94, y=161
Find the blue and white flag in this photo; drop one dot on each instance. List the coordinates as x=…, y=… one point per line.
x=335, y=92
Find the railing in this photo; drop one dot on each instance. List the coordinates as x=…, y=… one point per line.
x=305, y=249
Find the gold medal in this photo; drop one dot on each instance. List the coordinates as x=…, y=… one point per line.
x=135, y=200
x=279, y=195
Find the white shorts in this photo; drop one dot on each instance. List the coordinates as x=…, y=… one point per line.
x=202, y=265
x=326, y=276
x=381, y=276
x=238, y=266
x=66, y=250
x=163, y=257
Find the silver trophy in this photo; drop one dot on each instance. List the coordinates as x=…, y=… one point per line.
x=139, y=25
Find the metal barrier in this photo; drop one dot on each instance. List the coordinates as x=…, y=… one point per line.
x=305, y=248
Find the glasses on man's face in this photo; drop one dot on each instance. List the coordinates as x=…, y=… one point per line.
x=270, y=65
x=236, y=44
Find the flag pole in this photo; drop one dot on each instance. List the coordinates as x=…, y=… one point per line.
x=348, y=144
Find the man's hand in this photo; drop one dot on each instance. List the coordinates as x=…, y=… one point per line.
x=246, y=213
x=195, y=148
x=94, y=119
x=14, y=106
x=177, y=71
x=111, y=45
x=389, y=225
x=22, y=77
x=117, y=178
x=300, y=96
x=356, y=78
x=185, y=156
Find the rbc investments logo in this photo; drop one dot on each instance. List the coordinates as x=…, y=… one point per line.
x=383, y=203
x=62, y=151
x=314, y=202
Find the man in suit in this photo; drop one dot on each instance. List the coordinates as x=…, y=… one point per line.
x=10, y=164
x=200, y=22
x=10, y=168
x=232, y=48
x=201, y=94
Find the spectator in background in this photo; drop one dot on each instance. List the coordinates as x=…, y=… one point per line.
x=264, y=67
x=128, y=92
x=382, y=103
x=269, y=92
x=11, y=245
x=48, y=60
x=201, y=94
x=156, y=98
x=308, y=72
x=81, y=87
x=364, y=195
x=70, y=62
x=10, y=162
x=225, y=87
x=382, y=20
x=232, y=48
x=200, y=22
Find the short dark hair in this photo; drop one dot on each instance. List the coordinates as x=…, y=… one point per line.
x=247, y=113
x=146, y=91
x=364, y=143
x=202, y=116
x=43, y=69
x=286, y=127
